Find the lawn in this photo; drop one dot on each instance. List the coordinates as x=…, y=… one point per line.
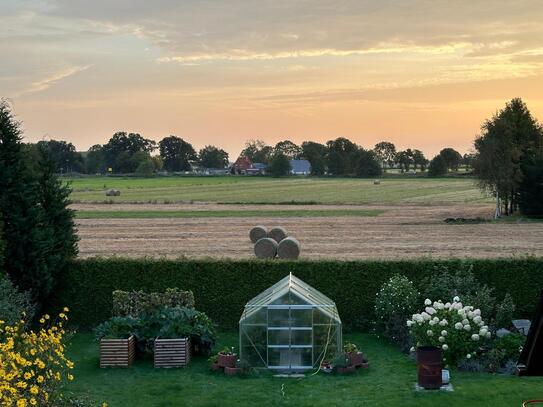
x=226, y=214
x=388, y=382
x=268, y=190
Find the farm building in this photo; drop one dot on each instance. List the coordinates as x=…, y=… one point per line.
x=257, y=169
x=300, y=167
x=241, y=165
x=289, y=327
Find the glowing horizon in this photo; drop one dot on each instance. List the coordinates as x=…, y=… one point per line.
x=421, y=75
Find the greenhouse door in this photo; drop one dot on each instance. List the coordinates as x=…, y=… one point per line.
x=290, y=337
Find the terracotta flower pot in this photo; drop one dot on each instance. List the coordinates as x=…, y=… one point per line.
x=227, y=360
x=232, y=371
x=356, y=358
x=215, y=367
x=429, y=364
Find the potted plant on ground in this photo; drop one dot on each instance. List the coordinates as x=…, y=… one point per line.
x=342, y=364
x=227, y=357
x=117, y=341
x=355, y=356
x=241, y=367
x=445, y=333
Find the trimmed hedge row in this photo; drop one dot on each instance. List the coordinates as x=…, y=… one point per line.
x=221, y=288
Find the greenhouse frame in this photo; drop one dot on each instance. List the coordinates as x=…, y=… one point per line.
x=289, y=327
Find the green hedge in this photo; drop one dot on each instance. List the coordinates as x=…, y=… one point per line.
x=221, y=288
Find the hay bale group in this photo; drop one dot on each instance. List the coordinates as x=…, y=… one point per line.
x=269, y=244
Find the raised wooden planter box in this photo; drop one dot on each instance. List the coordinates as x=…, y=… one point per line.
x=172, y=352
x=117, y=352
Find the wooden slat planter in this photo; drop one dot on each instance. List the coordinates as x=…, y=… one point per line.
x=117, y=352
x=172, y=352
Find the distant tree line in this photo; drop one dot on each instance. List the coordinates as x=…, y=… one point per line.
x=131, y=153
x=342, y=157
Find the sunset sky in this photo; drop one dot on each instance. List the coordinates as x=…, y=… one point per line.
x=423, y=74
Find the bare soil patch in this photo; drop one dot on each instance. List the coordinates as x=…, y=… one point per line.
x=401, y=232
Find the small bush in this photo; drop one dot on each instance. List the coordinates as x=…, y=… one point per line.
x=135, y=303
x=454, y=327
x=14, y=303
x=505, y=311
x=461, y=282
x=395, y=302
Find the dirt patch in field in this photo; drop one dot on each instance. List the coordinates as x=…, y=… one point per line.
x=400, y=232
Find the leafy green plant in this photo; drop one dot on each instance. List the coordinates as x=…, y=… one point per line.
x=117, y=328
x=341, y=360
x=180, y=322
x=350, y=347
x=228, y=351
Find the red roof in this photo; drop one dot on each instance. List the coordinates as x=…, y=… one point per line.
x=243, y=163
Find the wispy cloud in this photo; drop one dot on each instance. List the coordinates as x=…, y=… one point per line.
x=54, y=78
x=247, y=55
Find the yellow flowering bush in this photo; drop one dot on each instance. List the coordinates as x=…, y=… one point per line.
x=32, y=363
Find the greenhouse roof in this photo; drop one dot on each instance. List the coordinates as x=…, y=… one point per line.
x=294, y=286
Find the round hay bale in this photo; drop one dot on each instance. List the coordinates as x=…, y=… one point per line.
x=266, y=248
x=117, y=192
x=111, y=192
x=288, y=248
x=277, y=233
x=377, y=182
x=257, y=233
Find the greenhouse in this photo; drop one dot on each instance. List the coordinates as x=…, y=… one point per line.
x=289, y=327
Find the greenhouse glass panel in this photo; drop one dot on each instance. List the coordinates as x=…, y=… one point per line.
x=289, y=327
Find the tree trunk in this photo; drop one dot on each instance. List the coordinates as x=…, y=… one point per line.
x=498, y=212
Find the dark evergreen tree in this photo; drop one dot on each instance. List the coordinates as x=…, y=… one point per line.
x=26, y=234
x=54, y=199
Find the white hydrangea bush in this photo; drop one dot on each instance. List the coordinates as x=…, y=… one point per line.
x=457, y=329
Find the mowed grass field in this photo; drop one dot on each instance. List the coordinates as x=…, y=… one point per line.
x=389, y=381
x=265, y=190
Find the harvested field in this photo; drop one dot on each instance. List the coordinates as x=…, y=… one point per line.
x=399, y=232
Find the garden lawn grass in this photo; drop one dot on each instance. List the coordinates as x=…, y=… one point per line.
x=388, y=382
x=226, y=214
x=242, y=189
